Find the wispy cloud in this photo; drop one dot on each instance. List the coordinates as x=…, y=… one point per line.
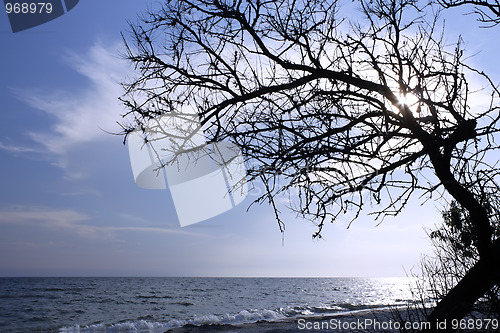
x=71, y=221
x=86, y=115
x=18, y=149
x=47, y=218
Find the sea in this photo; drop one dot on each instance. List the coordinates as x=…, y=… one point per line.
x=157, y=304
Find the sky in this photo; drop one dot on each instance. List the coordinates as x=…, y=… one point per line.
x=69, y=205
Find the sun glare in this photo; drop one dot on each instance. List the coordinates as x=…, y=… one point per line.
x=408, y=99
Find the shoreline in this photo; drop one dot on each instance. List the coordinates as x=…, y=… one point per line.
x=360, y=321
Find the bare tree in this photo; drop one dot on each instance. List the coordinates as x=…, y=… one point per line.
x=488, y=11
x=346, y=107
x=455, y=254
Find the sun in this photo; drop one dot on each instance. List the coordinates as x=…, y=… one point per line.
x=405, y=99
x=408, y=99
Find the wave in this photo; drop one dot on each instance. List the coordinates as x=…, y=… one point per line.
x=137, y=326
x=245, y=316
x=242, y=317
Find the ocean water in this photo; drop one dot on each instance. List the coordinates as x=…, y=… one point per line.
x=158, y=304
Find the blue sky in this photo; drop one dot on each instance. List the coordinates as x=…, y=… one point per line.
x=68, y=202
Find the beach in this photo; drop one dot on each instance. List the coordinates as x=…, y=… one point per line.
x=363, y=321
x=393, y=319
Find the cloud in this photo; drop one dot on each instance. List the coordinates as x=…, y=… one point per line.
x=18, y=149
x=48, y=218
x=86, y=115
x=71, y=221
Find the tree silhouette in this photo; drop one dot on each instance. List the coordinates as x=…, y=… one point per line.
x=488, y=11
x=455, y=254
x=349, y=108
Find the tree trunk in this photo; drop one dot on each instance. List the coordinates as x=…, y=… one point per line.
x=458, y=302
x=485, y=274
